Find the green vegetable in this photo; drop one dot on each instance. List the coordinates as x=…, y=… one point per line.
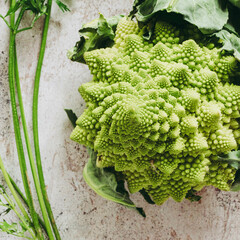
x=220, y=19
x=38, y=8
x=209, y=16
x=104, y=183
x=161, y=111
x=97, y=34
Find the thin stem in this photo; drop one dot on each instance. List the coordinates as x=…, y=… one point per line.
x=21, y=156
x=20, y=16
x=18, y=201
x=23, y=29
x=25, y=201
x=35, y=120
x=11, y=204
x=30, y=154
x=1, y=16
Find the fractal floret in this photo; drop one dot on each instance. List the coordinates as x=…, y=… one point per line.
x=161, y=111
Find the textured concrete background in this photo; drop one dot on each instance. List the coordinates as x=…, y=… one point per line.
x=79, y=212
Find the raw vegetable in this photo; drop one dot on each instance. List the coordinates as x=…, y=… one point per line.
x=29, y=223
x=163, y=105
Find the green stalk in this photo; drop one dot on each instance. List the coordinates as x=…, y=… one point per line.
x=35, y=120
x=25, y=201
x=30, y=154
x=20, y=16
x=18, y=201
x=18, y=138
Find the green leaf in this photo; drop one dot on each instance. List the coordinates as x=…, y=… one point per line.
x=36, y=6
x=104, y=28
x=8, y=228
x=135, y=5
x=62, y=6
x=191, y=196
x=104, y=183
x=14, y=8
x=236, y=184
x=232, y=158
x=146, y=196
x=236, y=3
x=13, y=229
x=208, y=16
x=72, y=116
x=221, y=19
x=230, y=42
x=99, y=33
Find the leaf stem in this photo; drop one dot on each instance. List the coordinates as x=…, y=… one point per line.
x=20, y=16
x=30, y=154
x=22, y=161
x=35, y=120
x=19, y=192
x=1, y=16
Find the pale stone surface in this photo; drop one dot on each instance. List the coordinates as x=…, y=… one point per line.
x=79, y=212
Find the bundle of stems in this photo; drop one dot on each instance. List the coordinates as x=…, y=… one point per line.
x=31, y=223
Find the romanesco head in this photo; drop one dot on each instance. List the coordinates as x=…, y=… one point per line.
x=161, y=111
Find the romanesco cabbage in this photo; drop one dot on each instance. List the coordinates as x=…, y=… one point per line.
x=160, y=111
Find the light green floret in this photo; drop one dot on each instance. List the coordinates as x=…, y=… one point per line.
x=124, y=28
x=224, y=66
x=189, y=125
x=222, y=141
x=161, y=52
x=179, y=75
x=220, y=175
x=196, y=144
x=133, y=42
x=190, y=99
x=139, y=60
x=160, y=112
x=206, y=81
x=166, y=163
x=160, y=193
x=166, y=33
x=209, y=116
x=229, y=96
x=177, y=189
x=136, y=180
x=192, y=169
x=190, y=54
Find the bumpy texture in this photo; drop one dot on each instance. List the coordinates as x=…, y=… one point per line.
x=161, y=111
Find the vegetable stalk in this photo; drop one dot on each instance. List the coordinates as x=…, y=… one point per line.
x=35, y=120
x=21, y=156
x=30, y=154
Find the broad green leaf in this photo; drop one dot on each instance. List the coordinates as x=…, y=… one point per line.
x=231, y=42
x=211, y=17
x=232, y=158
x=104, y=28
x=208, y=16
x=104, y=183
x=96, y=34
x=72, y=116
x=135, y=5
